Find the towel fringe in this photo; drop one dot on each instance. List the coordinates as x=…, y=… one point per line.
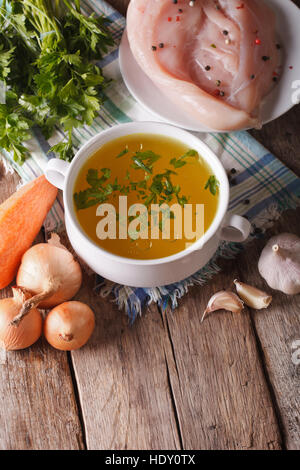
x=133, y=300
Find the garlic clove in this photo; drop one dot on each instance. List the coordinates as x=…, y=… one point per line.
x=225, y=300
x=252, y=296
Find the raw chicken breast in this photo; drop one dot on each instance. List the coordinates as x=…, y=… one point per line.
x=216, y=60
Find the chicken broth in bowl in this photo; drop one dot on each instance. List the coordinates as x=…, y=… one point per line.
x=145, y=196
x=138, y=195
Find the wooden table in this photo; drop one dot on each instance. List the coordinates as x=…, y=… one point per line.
x=167, y=382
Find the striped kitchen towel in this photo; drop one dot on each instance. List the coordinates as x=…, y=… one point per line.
x=259, y=178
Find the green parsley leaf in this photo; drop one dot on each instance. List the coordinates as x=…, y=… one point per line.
x=139, y=165
x=148, y=155
x=181, y=161
x=47, y=61
x=122, y=153
x=212, y=184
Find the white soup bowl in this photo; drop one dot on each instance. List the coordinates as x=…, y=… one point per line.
x=156, y=272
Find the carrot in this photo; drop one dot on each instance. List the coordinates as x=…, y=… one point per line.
x=21, y=218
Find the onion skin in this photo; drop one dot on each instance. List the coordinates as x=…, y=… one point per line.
x=69, y=325
x=223, y=300
x=253, y=297
x=50, y=267
x=29, y=330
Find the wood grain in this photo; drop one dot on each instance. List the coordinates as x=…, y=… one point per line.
x=276, y=329
x=281, y=137
x=220, y=392
x=122, y=381
x=38, y=408
x=120, y=5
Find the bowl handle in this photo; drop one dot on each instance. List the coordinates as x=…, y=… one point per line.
x=56, y=172
x=235, y=229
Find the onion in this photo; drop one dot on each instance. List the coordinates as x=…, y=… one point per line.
x=50, y=273
x=27, y=332
x=69, y=326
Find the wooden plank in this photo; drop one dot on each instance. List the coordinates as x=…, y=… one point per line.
x=120, y=5
x=122, y=381
x=277, y=329
x=38, y=408
x=219, y=388
x=281, y=137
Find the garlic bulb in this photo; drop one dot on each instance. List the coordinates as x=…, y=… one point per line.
x=226, y=300
x=252, y=296
x=279, y=263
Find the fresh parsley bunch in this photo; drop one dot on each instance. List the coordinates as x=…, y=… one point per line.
x=48, y=51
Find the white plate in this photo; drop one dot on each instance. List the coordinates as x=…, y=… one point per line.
x=278, y=101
